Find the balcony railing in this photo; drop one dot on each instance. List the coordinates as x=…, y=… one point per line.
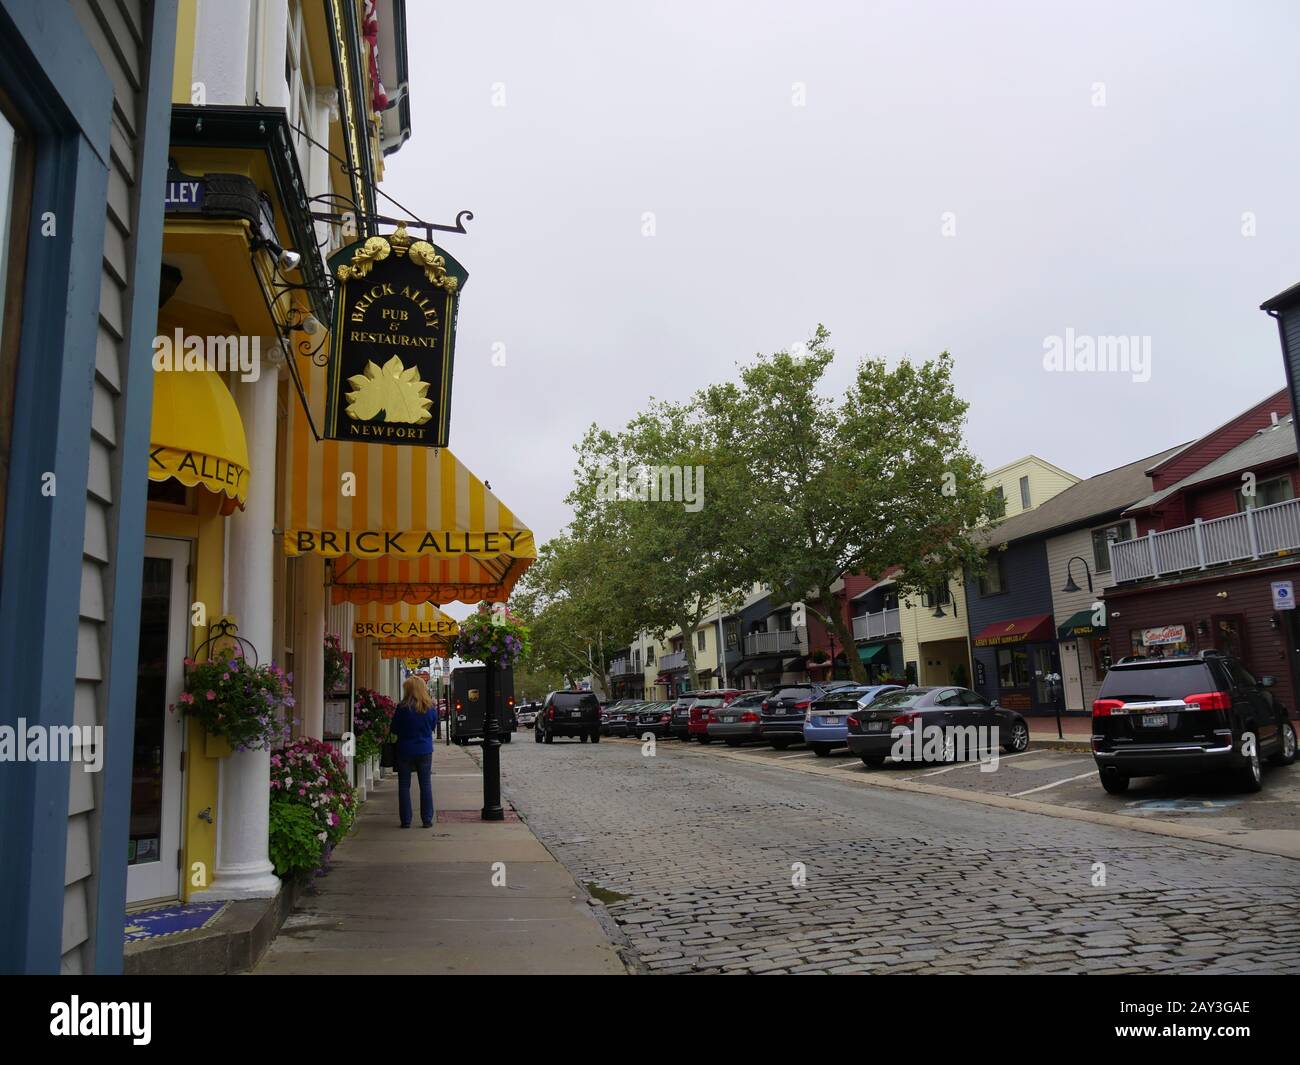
x=873, y=626
x=772, y=643
x=675, y=660
x=1255, y=533
x=623, y=667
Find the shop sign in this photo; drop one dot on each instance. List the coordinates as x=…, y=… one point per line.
x=1283, y=595
x=193, y=467
x=393, y=341
x=183, y=192
x=1165, y=634
x=404, y=629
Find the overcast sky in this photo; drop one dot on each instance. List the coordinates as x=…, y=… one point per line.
x=769, y=216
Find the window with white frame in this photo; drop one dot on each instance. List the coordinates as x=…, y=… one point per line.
x=302, y=89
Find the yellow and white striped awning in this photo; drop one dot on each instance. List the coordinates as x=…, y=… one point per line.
x=402, y=524
x=393, y=622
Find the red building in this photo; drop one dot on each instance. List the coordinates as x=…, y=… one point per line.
x=1215, y=563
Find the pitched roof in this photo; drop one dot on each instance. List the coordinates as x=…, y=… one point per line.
x=1096, y=497
x=1269, y=444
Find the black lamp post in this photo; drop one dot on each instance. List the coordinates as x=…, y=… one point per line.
x=491, y=748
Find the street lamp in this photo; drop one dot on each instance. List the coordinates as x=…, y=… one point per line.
x=491, y=749
x=1070, y=586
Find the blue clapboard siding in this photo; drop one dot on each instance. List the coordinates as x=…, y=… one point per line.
x=1029, y=591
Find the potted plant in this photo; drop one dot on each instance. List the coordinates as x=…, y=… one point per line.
x=238, y=702
x=311, y=775
x=371, y=719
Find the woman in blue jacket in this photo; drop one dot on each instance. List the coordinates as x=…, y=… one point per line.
x=414, y=725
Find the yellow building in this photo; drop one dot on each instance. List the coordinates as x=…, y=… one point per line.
x=934, y=630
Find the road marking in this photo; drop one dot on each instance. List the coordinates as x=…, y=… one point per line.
x=966, y=765
x=1056, y=784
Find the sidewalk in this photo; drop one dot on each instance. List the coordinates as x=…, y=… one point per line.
x=422, y=900
x=1077, y=729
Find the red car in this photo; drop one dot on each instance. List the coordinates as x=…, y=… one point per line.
x=697, y=726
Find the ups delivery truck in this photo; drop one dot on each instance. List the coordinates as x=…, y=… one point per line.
x=469, y=699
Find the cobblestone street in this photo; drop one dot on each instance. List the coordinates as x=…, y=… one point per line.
x=705, y=849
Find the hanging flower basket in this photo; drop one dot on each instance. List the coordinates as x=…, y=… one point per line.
x=237, y=701
x=493, y=636
x=338, y=664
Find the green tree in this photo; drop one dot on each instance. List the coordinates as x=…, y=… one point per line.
x=574, y=624
x=657, y=496
x=876, y=478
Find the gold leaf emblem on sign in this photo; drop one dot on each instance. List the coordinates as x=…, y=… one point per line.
x=391, y=390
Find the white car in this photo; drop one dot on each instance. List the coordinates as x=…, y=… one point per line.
x=526, y=714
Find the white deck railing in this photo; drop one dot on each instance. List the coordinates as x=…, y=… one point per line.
x=873, y=626
x=1254, y=533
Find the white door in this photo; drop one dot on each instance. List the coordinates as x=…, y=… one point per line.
x=156, y=791
x=1070, y=677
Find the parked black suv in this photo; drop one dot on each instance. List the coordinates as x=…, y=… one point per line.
x=781, y=717
x=568, y=714
x=1184, y=715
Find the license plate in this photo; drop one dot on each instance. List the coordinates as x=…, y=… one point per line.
x=875, y=726
x=1155, y=720
x=830, y=721
x=575, y=713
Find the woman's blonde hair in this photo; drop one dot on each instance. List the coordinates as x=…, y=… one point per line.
x=416, y=692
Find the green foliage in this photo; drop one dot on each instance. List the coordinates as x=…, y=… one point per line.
x=295, y=847
x=874, y=480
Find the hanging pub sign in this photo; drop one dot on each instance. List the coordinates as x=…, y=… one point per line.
x=393, y=340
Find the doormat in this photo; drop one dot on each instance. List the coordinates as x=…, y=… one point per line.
x=458, y=817
x=171, y=920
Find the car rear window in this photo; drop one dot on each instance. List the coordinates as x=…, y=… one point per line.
x=568, y=701
x=792, y=693
x=903, y=698
x=750, y=700
x=1168, y=679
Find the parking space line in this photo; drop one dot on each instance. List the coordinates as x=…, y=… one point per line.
x=1054, y=784
x=976, y=761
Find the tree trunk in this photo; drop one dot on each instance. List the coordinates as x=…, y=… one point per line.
x=692, y=680
x=830, y=612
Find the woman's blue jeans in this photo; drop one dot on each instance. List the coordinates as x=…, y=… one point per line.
x=422, y=765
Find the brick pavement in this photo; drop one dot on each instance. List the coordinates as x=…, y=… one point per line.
x=895, y=882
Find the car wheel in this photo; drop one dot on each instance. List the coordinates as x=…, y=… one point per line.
x=505, y=738
x=872, y=761
x=780, y=745
x=732, y=743
x=1287, y=754
x=1019, y=739
x=595, y=737
x=822, y=750
x=1251, y=776
x=537, y=735
x=584, y=737
x=706, y=739
x=1114, y=783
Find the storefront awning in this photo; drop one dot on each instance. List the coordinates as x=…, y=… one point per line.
x=759, y=664
x=1018, y=630
x=870, y=652
x=414, y=649
x=401, y=524
x=388, y=622
x=196, y=435
x=1080, y=624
